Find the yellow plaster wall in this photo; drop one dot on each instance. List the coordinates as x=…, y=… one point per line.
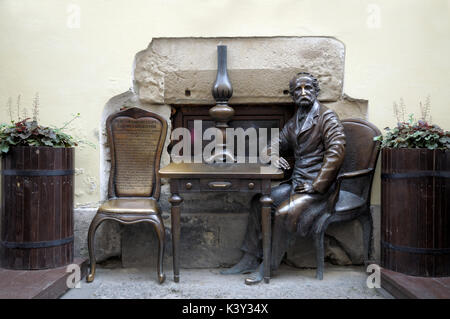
x=394, y=49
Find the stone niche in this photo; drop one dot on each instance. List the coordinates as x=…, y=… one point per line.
x=181, y=71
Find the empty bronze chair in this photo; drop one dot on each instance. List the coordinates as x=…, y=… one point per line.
x=135, y=138
x=351, y=199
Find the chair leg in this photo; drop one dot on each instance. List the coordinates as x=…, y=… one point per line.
x=160, y=232
x=91, y=236
x=320, y=255
x=366, y=223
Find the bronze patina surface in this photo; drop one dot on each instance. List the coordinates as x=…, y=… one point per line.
x=317, y=139
x=135, y=144
x=135, y=138
x=351, y=197
x=199, y=170
x=222, y=113
x=219, y=177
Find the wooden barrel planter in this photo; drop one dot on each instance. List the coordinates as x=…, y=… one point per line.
x=415, y=211
x=37, y=208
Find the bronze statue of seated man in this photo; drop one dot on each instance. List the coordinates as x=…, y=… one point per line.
x=317, y=139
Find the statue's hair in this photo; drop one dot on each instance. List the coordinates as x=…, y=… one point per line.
x=303, y=74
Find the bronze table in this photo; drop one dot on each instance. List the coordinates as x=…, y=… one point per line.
x=219, y=177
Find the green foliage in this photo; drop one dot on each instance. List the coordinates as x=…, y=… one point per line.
x=26, y=132
x=30, y=133
x=413, y=134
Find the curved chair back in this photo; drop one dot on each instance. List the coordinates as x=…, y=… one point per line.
x=136, y=138
x=361, y=152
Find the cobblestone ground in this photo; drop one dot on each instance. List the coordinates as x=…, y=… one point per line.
x=287, y=283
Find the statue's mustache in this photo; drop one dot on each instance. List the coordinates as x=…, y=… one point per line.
x=305, y=99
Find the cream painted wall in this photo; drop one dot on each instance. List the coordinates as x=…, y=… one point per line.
x=394, y=49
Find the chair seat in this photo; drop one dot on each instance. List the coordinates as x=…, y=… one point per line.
x=133, y=205
x=348, y=201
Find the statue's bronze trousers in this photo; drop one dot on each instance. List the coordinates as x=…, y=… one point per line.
x=291, y=216
x=281, y=237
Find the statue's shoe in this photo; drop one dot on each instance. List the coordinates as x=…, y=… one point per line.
x=256, y=277
x=246, y=265
x=239, y=270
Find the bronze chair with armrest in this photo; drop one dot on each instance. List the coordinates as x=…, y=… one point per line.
x=351, y=199
x=135, y=138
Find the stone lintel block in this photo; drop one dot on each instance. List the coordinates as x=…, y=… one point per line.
x=259, y=68
x=348, y=107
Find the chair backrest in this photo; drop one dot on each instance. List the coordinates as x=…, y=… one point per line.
x=136, y=138
x=361, y=152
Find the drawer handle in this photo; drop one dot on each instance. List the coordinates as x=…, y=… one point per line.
x=251, y=185
x=188, y=185
x=219, y=185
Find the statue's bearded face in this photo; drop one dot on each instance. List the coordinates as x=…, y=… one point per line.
x=304, y=93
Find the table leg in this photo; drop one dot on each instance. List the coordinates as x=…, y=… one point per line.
x=175, y=201
x=266, y=218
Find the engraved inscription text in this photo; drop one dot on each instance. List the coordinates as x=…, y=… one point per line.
x=135, y=146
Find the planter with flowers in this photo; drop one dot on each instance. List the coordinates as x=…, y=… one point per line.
x=37, y=195
x=415, y=199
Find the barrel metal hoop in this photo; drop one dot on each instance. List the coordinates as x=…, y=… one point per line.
x=43, y=172
x=37, y=244
x=415, y=250
x=416, y=174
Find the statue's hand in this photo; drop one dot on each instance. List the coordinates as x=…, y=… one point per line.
x=305, y=188
x=281, y=163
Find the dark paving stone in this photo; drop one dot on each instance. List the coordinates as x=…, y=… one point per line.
x=412, y=287
x=37, y=284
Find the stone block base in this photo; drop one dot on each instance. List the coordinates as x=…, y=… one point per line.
x=343, y=245
x=107, y=237
x=207, y=241
x=211, y=240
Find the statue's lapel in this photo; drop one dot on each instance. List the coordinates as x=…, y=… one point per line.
x=311, y=119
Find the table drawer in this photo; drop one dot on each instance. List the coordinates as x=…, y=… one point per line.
x=189, y=185
x=236, y=185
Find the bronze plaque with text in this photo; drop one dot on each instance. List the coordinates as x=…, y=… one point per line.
x=135, y=147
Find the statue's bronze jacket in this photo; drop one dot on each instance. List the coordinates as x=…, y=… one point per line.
x=318, y=145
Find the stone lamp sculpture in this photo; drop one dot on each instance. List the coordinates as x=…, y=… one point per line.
x=222, y=113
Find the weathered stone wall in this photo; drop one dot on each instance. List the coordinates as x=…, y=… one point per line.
x=260, y=69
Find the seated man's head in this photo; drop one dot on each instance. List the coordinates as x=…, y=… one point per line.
x=304, y=89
